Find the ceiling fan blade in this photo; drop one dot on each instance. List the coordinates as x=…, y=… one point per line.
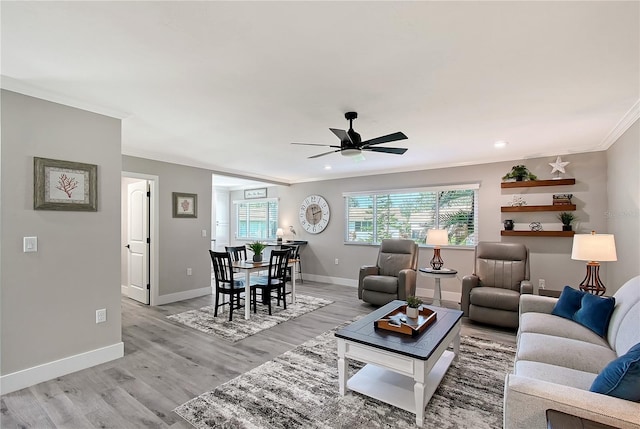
x=342, y=134
x=385, y=139
x=394, y=150
x=323, y=154
x=316, y=144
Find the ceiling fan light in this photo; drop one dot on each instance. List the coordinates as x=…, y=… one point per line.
x=350, y=152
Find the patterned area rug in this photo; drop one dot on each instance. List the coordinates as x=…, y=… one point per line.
x=299, y=389
x=239, y=328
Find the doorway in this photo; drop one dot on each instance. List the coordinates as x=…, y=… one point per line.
x=139, y=237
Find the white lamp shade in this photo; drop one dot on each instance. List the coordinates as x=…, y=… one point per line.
x=279, y=232
x=437, y=237
x=594, y=247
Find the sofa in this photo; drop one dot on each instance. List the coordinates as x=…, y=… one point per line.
x=557, y=361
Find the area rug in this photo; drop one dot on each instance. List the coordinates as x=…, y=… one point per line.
x=240, y=328
x=299, y=389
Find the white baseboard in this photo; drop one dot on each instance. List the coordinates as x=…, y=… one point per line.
x=50, y=370
x=124, y=289
x=181, y=296
x=333, y=280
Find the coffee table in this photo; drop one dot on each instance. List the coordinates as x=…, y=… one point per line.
x=401, y=371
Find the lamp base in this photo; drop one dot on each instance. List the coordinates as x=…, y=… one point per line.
x=436, y=261
x=591, y=282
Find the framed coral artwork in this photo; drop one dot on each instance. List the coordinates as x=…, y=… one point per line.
x=185, y=205
x=64, y=185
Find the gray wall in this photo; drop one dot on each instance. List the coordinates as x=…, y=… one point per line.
x=181, y=244
x=49, y=298
x=623, y=190
x=550, y=257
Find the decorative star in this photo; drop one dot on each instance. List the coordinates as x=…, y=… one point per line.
x=559, y=165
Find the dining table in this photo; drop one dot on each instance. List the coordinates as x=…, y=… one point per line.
x=248, y=267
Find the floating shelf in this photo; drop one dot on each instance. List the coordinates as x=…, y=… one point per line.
x=550, y=208
x=534, y=183
x=538, y=233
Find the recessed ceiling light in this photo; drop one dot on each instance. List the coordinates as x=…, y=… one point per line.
x=500, y=143
x=327, y=167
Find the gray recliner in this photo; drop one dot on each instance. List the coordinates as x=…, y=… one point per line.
x=394, y=275
x=492, y=293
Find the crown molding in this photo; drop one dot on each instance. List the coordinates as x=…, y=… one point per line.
x=623, y=125
x=25, y=88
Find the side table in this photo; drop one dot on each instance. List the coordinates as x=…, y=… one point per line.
x=442, y=273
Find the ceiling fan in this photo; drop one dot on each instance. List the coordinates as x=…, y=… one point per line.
x=351, y=143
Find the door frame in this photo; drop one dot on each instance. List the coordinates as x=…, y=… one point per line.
x=154, y=231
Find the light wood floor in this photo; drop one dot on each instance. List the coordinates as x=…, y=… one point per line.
x=166, y=364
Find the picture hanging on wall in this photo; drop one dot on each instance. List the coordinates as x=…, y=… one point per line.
x=64, y=185
x=185, y=205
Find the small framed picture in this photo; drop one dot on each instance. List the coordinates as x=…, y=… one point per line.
x=255, y=193
x=185, y=205
x=64, y=185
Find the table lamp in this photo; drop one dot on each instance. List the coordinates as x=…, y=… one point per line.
x=279, y=234
x=593, y=248
x=437, y=238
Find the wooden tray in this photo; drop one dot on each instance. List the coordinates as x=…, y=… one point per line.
x=414, y=327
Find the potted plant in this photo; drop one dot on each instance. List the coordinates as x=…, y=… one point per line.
x=519, y=173
x=413, y=303
x=566, y=218
x=257, y=248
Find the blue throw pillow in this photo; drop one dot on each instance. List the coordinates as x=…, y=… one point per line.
x=595, y=313
x=621, y=377
x=591, y=311
x=568, y=303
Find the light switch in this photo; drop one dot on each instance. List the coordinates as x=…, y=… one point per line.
x=30, y=244
x=204, y=232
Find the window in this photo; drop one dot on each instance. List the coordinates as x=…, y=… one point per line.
x=257, y=219
x=374, y=216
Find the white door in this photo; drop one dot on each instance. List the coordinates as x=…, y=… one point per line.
x=138, y=232
x=222, y=219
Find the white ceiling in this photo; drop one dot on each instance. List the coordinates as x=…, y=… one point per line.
x=229, y=85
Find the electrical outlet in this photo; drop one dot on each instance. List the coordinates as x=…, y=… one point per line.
x=189, y=271
x=337, y=261
x=541, y=284
x=101, y=315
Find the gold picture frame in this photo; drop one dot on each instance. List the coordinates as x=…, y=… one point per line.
x=64, y=185
x=185, y=205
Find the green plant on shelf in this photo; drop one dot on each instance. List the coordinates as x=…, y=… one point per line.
x=567, y=218
x=519, y=173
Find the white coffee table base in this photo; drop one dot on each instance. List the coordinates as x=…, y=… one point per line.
x=396, y=379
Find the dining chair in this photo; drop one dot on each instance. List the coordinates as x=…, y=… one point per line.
x=296, y=268
x=226, y=284
x=275, y=280
x=238, y=253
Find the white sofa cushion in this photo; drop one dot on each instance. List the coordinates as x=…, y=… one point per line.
x=565, y=352
x=554, y=374
x=548, y=324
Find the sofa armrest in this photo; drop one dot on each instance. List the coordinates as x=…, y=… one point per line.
x=406, y=283
x=526, y=287
x=526, y=401
x=365, y=270
x=537, y=304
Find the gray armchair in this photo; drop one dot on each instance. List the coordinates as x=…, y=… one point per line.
x=492, y=293
x=394, y=275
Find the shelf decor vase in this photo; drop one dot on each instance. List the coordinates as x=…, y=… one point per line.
x=508, y=225
x=566, y=228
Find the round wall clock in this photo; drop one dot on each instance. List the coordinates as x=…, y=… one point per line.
x=314, y=214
